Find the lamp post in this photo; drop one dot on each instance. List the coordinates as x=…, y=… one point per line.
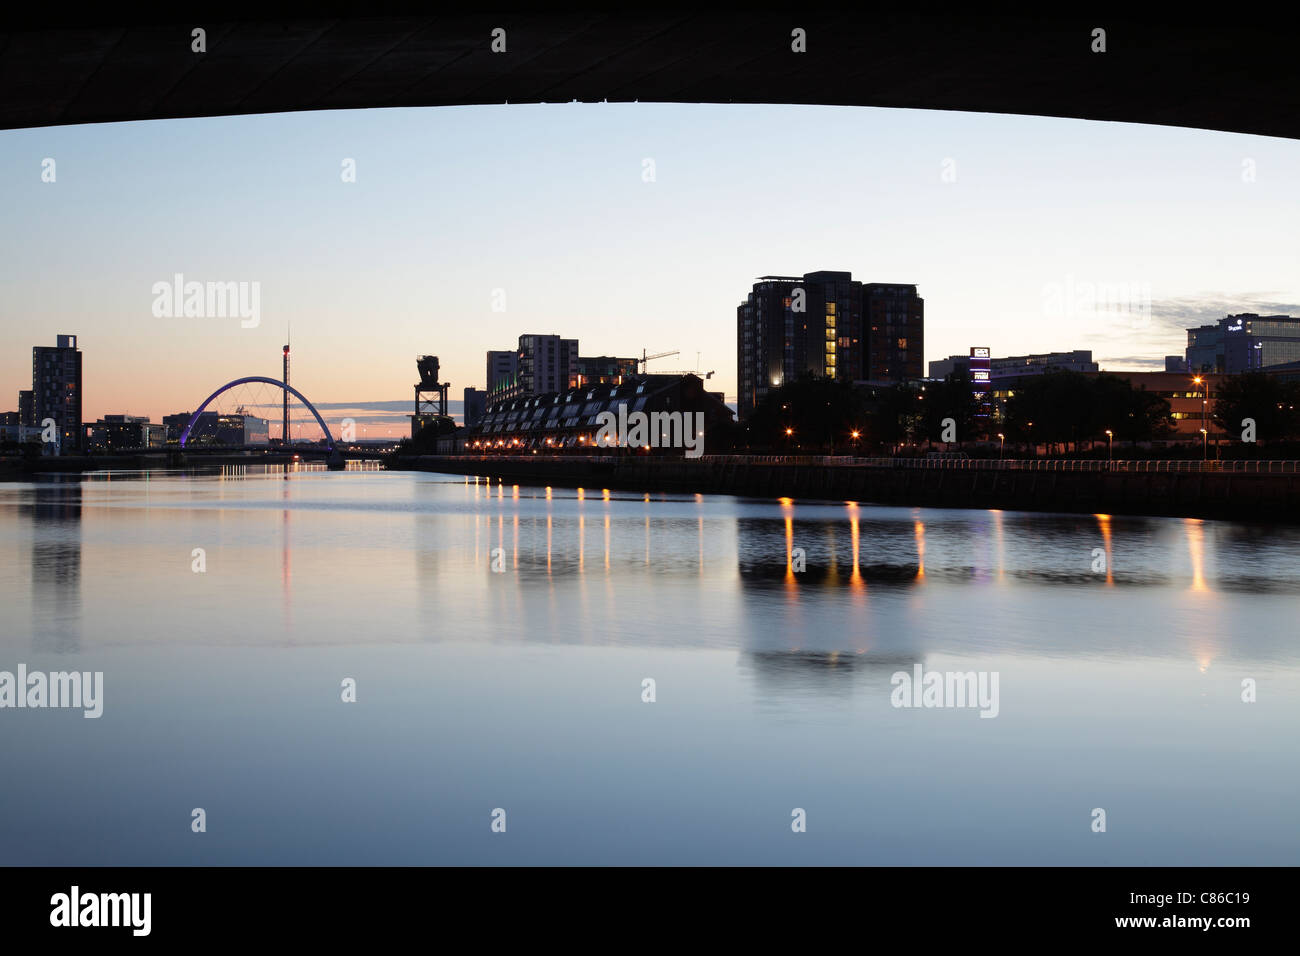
x=1002, y=443
x=1110, y=447
x=1205, y=401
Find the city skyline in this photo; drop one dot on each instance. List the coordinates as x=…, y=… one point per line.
x=407, y=259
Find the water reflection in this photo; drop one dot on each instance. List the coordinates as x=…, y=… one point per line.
x=54, y=509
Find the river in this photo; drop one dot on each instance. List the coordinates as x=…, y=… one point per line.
x=613, y=677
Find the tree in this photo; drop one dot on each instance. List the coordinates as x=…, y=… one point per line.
x=1269, y=401
x=818, y=413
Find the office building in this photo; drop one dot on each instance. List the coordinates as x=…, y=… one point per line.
x=1175, y=363
x=57, y=391
x=1079, y=360
x=215, y=428
x=1017, y=366
x=121, y=432
x=1243, y=343
x=25, y=407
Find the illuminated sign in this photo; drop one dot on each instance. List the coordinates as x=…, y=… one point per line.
x=1235, y=328
x=979, y=375
x=979, y=352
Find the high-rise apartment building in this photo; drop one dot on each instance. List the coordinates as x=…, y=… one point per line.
x=829, y=325
x=57, y=390
x=894, y=321
x=546, y=363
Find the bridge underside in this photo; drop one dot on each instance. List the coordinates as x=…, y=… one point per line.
x=1227, y=72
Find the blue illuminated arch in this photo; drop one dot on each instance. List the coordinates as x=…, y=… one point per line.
x=329, y=439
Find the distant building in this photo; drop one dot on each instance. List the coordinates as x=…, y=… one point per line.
x=1191, y=402
x=57, y=390
x=942, y=368
x=829, y=325
x=1079, y=360
x=474, y=406
x=1175, y=363
x=116, y=432
x=502, y=370
x=569, y=419
x=17, y=432
x=603, y=370
x=546, y=363
x=894, y=323
x=1243, y=343
x=175, y=425
x=25, y=407
x=215, y=428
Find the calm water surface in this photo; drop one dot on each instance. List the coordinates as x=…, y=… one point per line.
x=1120, y=687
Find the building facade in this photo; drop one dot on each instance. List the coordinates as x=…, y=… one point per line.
x=502, y=371
x=473, y=407
x=603, y=370
x=570, y=419
x=121, y=432
x=1243, y=343
x=894, y=319
x=57, y=390
x=829, y=325
x=1079, y=360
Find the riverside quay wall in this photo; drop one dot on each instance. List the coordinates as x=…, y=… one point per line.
x=1245, y=490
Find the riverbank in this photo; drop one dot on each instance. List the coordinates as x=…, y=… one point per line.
x=1134, y=488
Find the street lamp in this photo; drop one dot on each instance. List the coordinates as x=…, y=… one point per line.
x=1110, y=446
x=1205, y=401
x=1002, y=443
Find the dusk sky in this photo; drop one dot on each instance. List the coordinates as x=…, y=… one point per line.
x=549, y=204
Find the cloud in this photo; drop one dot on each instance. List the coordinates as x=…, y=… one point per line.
x=1208, y=307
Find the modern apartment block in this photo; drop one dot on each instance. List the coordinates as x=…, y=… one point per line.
x=546, y=363
x=57, y=390
x=829, y=325
x=894, y=317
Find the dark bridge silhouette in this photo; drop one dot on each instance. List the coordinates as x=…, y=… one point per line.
x=329, y=439
x=1237, y=72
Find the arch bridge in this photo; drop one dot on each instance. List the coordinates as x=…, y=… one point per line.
x=265, y=380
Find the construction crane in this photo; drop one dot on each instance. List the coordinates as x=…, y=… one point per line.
x=689, y=371
x=694, y=371
x=645, y=358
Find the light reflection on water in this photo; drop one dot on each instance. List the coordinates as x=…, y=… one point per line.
x=771, y=627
